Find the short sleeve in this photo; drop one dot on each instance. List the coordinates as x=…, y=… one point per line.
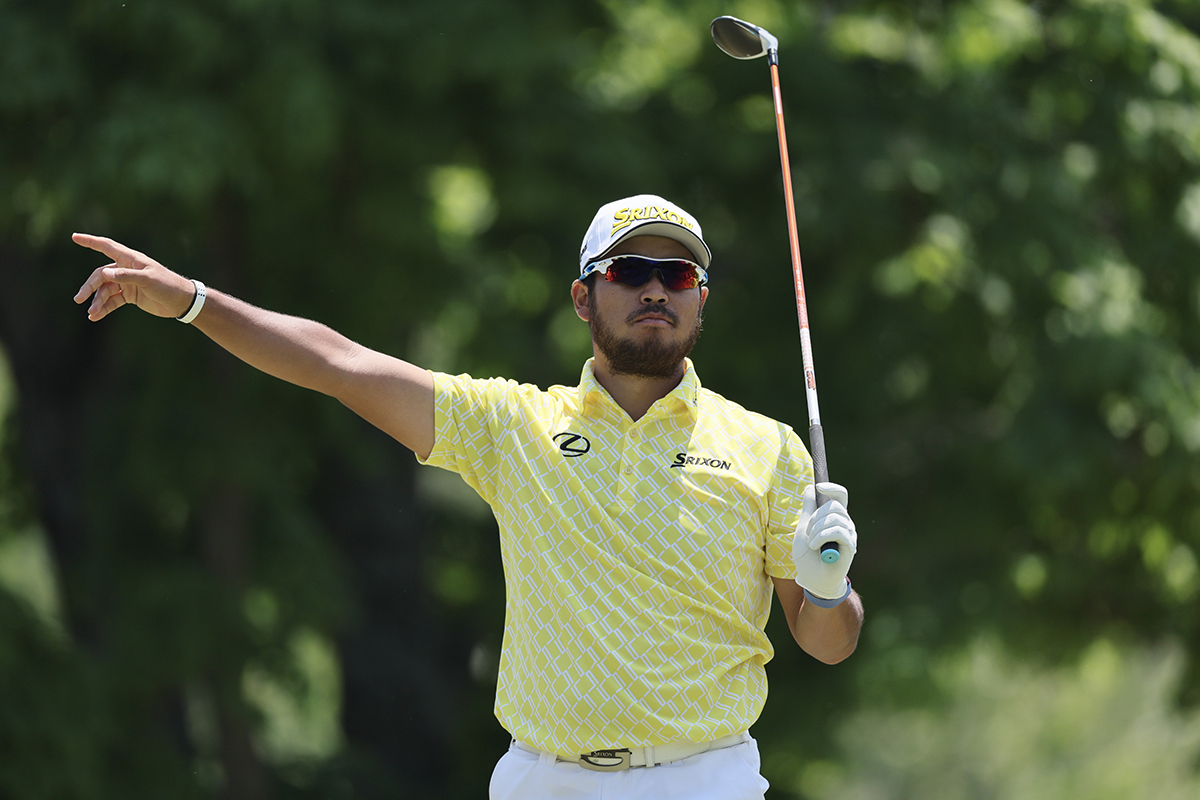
x=469, y=417
x=794, y=472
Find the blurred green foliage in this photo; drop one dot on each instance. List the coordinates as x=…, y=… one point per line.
x=1000, y=218
x=1105, y=726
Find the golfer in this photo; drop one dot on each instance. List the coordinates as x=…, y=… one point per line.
x=644, y=520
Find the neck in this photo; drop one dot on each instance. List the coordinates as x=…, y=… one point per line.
x=634, y=393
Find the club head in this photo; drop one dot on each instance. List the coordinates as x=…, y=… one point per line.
x=742, y=39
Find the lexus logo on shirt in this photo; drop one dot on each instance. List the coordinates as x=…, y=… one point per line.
x=572, y=444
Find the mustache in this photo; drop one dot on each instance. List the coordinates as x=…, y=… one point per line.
x=656, y=310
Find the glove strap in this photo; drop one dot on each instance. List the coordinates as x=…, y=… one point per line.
x=821, y=602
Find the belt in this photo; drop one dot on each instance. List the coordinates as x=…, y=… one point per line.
x=617, y=759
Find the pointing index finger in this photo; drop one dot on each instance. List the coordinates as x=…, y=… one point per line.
x=100, y=244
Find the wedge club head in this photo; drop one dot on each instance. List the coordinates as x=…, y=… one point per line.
x=742, y=39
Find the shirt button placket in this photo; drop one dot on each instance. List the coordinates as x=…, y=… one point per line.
x=624, y=440
x=631, y=448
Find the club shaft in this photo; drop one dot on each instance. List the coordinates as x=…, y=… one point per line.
x=816, y=438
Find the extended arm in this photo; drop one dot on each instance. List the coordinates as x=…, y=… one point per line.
x=393, y=395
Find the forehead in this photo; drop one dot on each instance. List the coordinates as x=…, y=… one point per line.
x=652, y=247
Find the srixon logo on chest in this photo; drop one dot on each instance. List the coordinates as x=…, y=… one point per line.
x=684, y=460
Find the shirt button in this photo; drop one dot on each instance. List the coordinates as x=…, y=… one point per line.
x=627, y=470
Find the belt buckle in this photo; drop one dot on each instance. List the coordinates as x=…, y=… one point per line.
x=606, y=760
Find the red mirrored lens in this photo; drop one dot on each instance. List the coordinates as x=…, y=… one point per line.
x=634, y=271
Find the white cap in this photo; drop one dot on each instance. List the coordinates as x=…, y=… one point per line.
x=642, y=215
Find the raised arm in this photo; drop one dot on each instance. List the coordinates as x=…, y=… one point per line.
x=393, y=395
x=825, y=615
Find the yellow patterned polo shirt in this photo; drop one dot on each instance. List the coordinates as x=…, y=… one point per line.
x=637, y=555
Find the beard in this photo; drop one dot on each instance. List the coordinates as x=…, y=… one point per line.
x=649, y=357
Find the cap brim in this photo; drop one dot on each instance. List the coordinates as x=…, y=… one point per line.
x=671, y=231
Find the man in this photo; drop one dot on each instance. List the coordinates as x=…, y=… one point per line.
x=644, y=521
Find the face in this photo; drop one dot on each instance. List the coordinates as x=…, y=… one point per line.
x=644, y=331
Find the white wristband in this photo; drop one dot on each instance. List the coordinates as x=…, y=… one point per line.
x=197, y=303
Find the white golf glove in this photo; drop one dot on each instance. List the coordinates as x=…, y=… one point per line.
x=829, y=523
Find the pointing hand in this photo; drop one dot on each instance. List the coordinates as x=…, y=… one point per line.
x=131, y=278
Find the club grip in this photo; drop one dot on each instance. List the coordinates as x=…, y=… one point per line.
x=816, y=442
x=816, y=447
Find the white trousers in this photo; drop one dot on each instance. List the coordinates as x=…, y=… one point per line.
x=728, y=774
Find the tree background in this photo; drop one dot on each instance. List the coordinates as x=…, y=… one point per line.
x=213, y=584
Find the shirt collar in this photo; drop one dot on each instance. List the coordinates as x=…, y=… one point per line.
x=681, y=399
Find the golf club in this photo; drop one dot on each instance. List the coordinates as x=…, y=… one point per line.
x=746, y=41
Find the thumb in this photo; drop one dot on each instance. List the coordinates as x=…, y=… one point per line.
x=834, y=491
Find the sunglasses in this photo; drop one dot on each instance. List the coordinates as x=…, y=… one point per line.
x=676, y=274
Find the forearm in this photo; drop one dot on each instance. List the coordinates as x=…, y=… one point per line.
x=826, y=634
x=829, y=634
x=294, y=349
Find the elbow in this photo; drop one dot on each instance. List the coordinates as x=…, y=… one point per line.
x=836, y=655
x=831, y=653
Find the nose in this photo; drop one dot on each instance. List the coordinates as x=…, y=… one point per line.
x=654, y=291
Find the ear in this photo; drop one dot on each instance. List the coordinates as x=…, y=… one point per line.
x=579, y=296
x=703, y=296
